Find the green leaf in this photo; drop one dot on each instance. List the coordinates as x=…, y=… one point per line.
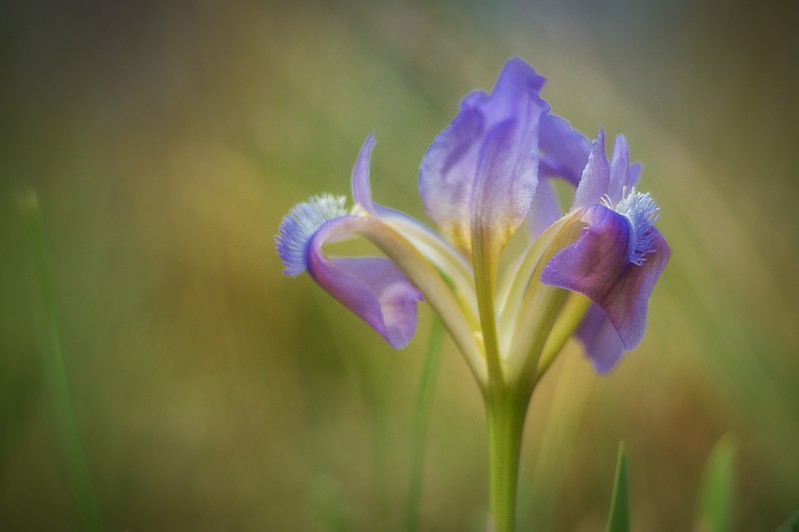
x=619, y=518
x=791, y=525
x=422, y=417
x=718, y=488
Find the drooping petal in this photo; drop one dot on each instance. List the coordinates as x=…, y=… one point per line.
x=597, y=265
x=373, y=288
x=564, y=150
x=595, y=179
x=298, y=227
x=600, y=339
x=482, y=170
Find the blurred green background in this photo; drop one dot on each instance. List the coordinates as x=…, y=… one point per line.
x=166, y=140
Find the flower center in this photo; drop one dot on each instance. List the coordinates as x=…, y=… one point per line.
x=298, y=227
x=642, y=212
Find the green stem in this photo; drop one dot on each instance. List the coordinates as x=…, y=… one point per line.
x=505, y=412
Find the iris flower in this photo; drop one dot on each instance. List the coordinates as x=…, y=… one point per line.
x=587, y=273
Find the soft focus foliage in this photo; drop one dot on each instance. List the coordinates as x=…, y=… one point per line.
x=166, y=140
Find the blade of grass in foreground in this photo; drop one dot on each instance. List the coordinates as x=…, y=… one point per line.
x=718, y=488
x=54, y=365
x=791, y=525
x=422, y=417
x=619, y=518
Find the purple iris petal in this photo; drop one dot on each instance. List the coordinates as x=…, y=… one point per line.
x=597, y=265
x=545, y=209
x=373, y=288
x=602, y=343
x=595, y=179
x=564, y=150
x=361, y=189
x=482, y=168
x=635, y=173
x=619, y=169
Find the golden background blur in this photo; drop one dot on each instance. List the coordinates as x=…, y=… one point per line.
x=165, y=141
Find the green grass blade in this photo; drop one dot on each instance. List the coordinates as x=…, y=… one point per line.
x=619, y=517
x=70, y=443
x=791, y=525
x=422, y=417
x=717, y=495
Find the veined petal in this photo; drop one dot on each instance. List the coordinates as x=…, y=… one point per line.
x=564, y=150
x=598, y=266
x=600, y=339
x=373, y=288
x=482, y=170
x=595, y=179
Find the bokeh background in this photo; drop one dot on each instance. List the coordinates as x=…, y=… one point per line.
x=165, y=140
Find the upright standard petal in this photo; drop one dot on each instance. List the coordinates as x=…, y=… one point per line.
x=598, y=265
x=595, y=179
x=545, y=209
x=564, y=150
x=481, y=172
x=361, y=188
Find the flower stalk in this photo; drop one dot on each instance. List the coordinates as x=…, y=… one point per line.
x=506, y=409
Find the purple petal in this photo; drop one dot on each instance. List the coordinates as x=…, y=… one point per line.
x=595, y=179
x=597, y=266
x=299, y=226
x=482, y=168
x=373, y=288
x=564, y=150
x=361, y=189
x=635, y=173
x=545, y=209
x=619, y=169
x=600, y=339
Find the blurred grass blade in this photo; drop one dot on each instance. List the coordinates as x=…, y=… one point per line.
x=329, y=503
x=55, y=370
x=422, y=417
x=718, y=488
x=791, y=525
x=619, y=517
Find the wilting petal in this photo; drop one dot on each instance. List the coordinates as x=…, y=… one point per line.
x=595, y=179
x=481, y=170
x=602, y=343
x=564, y=150
x=373, y=288
x=597, y=265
